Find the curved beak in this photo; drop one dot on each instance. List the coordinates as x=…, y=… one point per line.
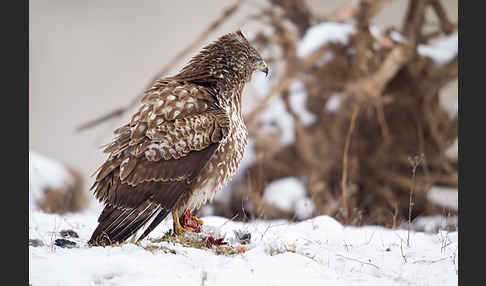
x=263, y=67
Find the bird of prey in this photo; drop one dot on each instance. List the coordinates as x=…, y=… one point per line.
x=181, y=147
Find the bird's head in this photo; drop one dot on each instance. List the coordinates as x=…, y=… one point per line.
x=228, y=60
x=253, y=61
x=243, y=55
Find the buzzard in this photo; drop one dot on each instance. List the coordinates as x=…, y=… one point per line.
x=181, y=147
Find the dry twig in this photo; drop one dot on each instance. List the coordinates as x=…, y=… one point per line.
x=415, y=162
x=447, y=25
x=344, y=177
x=287, y=79
x=213, y=26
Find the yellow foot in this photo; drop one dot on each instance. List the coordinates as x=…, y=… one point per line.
x=181, y=230
x=200, y=221
x=178, y=230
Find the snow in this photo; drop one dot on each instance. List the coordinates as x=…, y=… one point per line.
x=329, y=56
x=289, y=194
x=319, y=35
x=275, y=118
x=445, y=197
x=334, y=101
x=298, y=101
x=431, y=224
x=376, y=31
x=442, y=51
x=318, y=251
x=398, y=37
x=453, y=150
x=45, y=173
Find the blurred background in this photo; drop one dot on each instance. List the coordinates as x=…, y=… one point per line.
x=88, y=58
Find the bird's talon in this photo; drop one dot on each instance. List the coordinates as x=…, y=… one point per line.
x=199, y=221
x=179, y=231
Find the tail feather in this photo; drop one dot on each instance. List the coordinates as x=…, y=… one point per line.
x=160, y=217
x=134, y=222
x=117, y=225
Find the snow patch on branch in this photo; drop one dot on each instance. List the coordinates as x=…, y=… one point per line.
x=442, y=51
x=289, y=194
x=275, y=118
x=298, y=100
x=322, y=34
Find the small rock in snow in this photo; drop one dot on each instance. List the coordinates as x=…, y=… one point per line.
x=68, y=233
x=64, y=243
x=35, y=242
x=244, y=237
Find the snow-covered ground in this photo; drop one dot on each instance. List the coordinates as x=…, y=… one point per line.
x=46, y=173
x=318, y=251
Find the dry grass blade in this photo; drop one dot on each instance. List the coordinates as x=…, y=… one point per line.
x=344, y=178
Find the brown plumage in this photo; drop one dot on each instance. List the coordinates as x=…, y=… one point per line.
x=181, y=147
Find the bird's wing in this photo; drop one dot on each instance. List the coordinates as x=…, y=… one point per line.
x=171, y=137
x=161, y=151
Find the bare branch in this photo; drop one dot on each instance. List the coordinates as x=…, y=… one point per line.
x=414, y=20
x=374, y=85
x=287, y=79
x=349, y=11
x=213, y=26
x=447, y=25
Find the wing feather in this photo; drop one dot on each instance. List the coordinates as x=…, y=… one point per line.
x=156, y=157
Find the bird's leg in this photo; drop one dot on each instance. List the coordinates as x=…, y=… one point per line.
x=177, y=225
x=178, y=228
